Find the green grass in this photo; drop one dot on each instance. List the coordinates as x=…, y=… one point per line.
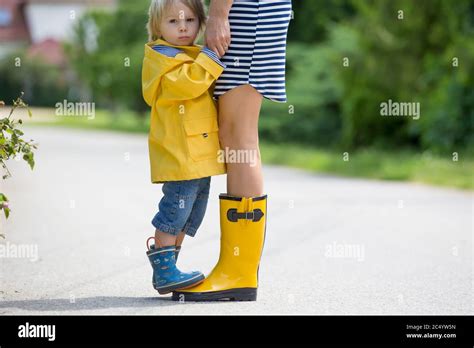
x=125, y=121
x=376, y=164
x=369, y=163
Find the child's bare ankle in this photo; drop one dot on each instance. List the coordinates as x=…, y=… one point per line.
x=164, y=239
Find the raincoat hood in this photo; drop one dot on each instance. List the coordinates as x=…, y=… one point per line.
x=155, y=65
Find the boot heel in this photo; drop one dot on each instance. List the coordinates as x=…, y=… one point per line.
x=245, y=295
x=238, y=294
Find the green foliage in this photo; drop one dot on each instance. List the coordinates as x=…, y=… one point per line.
x=312, y=19
x=312, y=114
x=409, y=59
x=107, y=52
x=44, y=83
x=12, y=144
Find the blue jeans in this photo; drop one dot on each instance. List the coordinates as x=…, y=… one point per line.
x=183, y=206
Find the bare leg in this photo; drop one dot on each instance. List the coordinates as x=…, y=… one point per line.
x=239, y=110
x=166, y=239
x=180, y=238
x=163, y=239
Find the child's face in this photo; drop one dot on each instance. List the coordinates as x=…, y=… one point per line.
x=179, y=26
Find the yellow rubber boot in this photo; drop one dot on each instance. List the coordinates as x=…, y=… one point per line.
x=235, y=276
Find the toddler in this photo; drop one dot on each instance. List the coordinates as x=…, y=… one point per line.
x=177, y=81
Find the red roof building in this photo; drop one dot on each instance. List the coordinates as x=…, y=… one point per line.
x=13, y=23
x=42, y=24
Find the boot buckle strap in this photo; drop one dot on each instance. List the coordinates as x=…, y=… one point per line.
x=234, y=216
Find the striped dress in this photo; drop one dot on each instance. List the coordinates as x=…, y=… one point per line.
x=257, y=53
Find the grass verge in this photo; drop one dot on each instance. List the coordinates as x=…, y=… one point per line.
x=368, y=163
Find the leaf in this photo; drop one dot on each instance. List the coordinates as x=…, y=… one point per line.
x=5, y=208
x=31, y=162
x=14, y=145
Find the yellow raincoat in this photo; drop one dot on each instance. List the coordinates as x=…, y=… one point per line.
x=183, y=141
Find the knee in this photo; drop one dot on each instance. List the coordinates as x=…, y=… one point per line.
x=234, y=136
x=224, y=136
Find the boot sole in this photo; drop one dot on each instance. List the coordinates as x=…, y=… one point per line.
x=185, y=285
x=239, y=294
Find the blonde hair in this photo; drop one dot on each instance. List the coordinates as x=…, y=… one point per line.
x=158, y=7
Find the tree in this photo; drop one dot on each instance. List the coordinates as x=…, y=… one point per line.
x=403, y=50
x=107, y=54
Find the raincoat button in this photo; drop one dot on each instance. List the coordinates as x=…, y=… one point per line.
x=205, y=135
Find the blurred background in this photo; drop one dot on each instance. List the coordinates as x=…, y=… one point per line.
x=345, y=57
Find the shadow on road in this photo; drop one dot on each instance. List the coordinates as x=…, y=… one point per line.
x=88, y=303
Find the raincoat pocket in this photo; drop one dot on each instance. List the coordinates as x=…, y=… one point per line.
x=202, y=138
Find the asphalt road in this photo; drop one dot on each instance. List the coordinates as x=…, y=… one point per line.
x=333, y=246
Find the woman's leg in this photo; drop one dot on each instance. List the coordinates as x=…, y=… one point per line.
x=236, y=278
x=239, y=110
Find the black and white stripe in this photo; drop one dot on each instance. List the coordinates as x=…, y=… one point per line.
x=257, y=53
x=211, y=54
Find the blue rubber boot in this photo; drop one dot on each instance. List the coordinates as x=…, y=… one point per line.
x=178, y=246
x=166, y=276
x=176, y=253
